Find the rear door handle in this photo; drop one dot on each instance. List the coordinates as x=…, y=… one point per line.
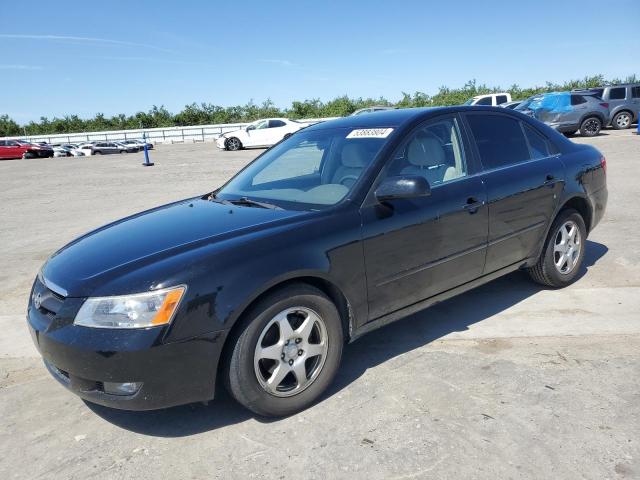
x=550, y=180
x=472, y=205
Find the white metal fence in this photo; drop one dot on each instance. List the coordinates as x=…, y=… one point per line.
x=189, y=134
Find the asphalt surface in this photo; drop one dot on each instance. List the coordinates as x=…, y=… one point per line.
x=507, y=381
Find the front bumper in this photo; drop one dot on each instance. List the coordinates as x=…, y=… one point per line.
x=83, y=359
x=220, y=143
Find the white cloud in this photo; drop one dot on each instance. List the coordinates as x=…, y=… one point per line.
x=20, y=67
x=282, y=63
x=86, y=40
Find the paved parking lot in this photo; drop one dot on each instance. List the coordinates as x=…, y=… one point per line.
x=507, y=381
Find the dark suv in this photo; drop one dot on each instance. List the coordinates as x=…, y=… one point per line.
x=624, y=103
x=342, y=228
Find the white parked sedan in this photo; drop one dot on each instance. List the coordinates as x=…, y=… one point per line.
x=261, y=133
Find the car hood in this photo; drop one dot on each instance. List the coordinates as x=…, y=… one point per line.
x=149, y=237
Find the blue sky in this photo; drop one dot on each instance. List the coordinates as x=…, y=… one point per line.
x=85, y=57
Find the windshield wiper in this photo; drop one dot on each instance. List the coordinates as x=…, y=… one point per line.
x=213, y=198
x=254, y=203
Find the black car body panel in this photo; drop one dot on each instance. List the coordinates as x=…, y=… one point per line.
x=378, y=262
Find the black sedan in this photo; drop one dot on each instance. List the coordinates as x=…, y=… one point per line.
x=342, y=228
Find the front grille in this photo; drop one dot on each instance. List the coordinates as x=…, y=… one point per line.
x=45, y=300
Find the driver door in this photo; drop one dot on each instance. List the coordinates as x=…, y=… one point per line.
x=416, y=248
x=259, y=135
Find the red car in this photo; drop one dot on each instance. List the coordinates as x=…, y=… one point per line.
x=22, y=149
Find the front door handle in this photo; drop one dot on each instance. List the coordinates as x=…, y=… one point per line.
x=472, y=205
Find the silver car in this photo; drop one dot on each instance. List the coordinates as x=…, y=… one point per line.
x=624, y=103
x=568, y=112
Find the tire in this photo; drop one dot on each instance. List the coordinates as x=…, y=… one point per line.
x=247, y=370
x=622, y=120
x=123, y=151
x=545, y=271
x=233, y=144
x=97, y=152
x=590, y=127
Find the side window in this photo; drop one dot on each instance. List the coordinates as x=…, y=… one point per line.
x=499, y=139
x=500, y=99
x=635, y=92
x=538, y=144
x=577, y=100
x=484, y=101
x=618, y=93
x=3, y=143
x=434, y=151
x=276, y=123
x=262, y=124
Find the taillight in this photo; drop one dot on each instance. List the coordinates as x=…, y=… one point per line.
x=603, y=164
x=604, y=104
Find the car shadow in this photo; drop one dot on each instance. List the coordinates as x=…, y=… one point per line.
x=379, y=346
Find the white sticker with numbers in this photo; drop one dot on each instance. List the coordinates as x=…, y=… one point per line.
x=370, y=133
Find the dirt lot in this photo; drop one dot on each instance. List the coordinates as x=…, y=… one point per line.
x=507, y=381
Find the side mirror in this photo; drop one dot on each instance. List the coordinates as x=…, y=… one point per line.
x=402, y=186
x=250, y=127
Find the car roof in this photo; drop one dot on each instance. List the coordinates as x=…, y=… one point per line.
x=386, y=118
x=403, y=116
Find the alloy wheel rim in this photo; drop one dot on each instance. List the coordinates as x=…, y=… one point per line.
x=291, y=351
x=567, y=247
x=623, y=120
x=233, y=144
x=592, y=126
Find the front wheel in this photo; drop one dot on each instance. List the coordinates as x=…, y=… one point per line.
x=621, y=120
x=123, y=151
x=233, y=144
x=590, y=127
x=287, y=351
x=563, y=251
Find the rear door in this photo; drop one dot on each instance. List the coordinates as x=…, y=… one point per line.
x=277, y=131
x=417, y=248
x=523, y=176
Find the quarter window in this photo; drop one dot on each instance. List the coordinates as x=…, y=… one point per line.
x=434, y=151
x=538, y=144
x=635, y=92
x=499, y=139
x=276, y=123
x=617, y=93
x=500, y=99
x=484, y=101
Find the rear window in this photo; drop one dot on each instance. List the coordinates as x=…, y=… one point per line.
x=617, y=93
x=484, y=101
x=500, y=99
x=499, y=139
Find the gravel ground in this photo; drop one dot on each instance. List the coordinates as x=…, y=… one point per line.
x=507, y=381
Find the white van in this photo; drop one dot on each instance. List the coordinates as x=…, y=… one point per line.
x=491, y=99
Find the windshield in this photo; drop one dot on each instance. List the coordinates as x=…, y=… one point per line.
x=526, y=105
x=469, y=102
x=310, y=170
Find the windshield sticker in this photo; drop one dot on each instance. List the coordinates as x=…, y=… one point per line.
x=370, y=133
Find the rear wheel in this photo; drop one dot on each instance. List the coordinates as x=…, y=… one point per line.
x=97, y=152
x=123, y=151
x=233, y=144
x=286, y=352
x=622, y=120
x=590, y=127
x=563, y=251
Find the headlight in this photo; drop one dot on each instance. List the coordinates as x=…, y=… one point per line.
x=140, y=310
